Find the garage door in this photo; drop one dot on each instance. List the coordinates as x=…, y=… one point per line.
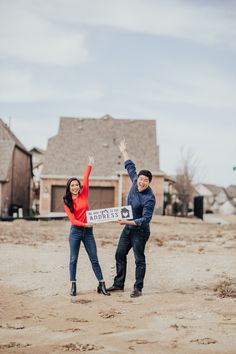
x=99, y=198
x=57, y=198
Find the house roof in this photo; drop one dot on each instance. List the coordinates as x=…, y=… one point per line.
x=168, y=178
x=231, y=191
x=36, y=149
x=213, y=189
x=7, y=143
x=37, y=156
x=77, y=138
x=6, y=151
x=7, y=135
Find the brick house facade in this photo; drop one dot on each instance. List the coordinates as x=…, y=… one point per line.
x=15, y=174
x=67, y=155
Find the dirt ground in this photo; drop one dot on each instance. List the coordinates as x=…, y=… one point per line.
x=188, y=303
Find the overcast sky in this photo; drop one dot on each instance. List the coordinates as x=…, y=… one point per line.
x=173, y=61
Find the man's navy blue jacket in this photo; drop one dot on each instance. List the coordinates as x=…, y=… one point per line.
x=142, y=203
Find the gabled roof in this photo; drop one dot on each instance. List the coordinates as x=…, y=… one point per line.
x=6, y=151
x=68, y=151
x=37, y=150
x=213, y=188
x=37, y=156
x=7, y=135
x=7, y=143
x=231, y=191
x=168, y=178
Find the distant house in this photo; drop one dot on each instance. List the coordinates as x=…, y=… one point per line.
x=216, y=199
x=231, y=193
x=170, y=194
x=15, y=174
x=227, y=208
x=67, y=155
x=37, y=158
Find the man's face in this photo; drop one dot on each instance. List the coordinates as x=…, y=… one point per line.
x=142, y=183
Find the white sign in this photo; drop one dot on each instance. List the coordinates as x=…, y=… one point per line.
x=109, y=214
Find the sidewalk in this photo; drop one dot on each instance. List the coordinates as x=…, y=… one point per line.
x=215, y=219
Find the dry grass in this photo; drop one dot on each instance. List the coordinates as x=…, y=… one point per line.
x=226, y=288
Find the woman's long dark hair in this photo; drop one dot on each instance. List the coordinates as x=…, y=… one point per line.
x=68, y=197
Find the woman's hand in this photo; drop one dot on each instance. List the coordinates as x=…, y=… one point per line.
x=88, y=225
x=91, y=160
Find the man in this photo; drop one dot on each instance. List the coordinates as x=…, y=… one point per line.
x=137, y=231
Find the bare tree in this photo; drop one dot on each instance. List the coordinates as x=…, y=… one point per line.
x=185, y=174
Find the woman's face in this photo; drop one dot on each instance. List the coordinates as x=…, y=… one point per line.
x=74, y=188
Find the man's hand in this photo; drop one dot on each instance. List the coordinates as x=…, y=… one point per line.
x=126, y=222
x=123, y=150
x=121, y=222
x=122, y=146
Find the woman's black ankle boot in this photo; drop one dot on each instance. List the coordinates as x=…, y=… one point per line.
x=102, y=288
x=73, y=289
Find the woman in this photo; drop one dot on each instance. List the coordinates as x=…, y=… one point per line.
x=76, y=205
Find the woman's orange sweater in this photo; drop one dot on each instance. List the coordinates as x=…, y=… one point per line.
x=80, y=204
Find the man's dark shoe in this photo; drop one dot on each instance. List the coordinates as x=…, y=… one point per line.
x=136, y=293
x=115, y=288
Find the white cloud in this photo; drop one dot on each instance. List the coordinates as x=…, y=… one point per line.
x=205, y=23
x=27, y=36
x=52, y=34
x=199, y=88
x=16, y=86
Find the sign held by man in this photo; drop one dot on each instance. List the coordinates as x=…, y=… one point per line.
x=109, y=214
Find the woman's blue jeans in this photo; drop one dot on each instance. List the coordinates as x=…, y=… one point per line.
x=84, y=234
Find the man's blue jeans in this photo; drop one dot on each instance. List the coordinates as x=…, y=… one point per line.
x=136, y=239
x=84, y=234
